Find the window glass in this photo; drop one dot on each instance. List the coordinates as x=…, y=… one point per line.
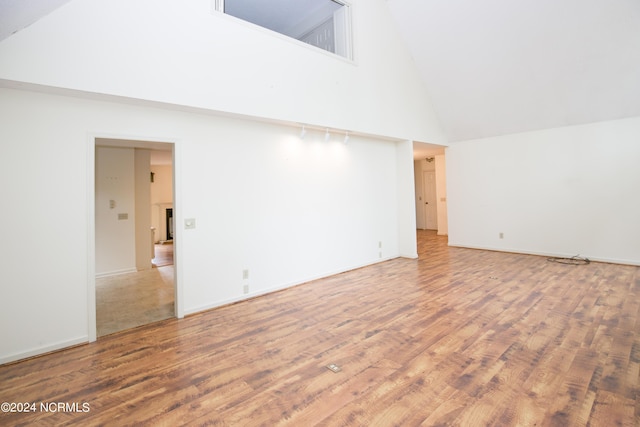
x=321, y=23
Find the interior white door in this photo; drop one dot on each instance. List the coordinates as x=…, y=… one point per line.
x=431, y=207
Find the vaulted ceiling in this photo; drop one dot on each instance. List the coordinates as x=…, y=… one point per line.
x=18, y=14
x=495, y=67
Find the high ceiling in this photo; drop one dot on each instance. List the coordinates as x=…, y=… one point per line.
x=18, y=14
x=495, y=67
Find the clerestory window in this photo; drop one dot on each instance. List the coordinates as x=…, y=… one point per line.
x=325, y=24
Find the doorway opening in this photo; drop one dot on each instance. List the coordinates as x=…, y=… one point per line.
x=430, y=183
x=135, y=282
x=169, y=221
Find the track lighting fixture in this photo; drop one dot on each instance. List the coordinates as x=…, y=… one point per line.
x=327, y=134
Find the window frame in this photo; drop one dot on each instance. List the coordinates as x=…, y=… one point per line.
x=343, y=50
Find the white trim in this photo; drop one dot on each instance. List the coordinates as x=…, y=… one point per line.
x=116, y=272
x=545, y=254
x=412, y=256
x=38, y=351
x=217, y=6
x=91, y=239
x=91, y=232
x=243, y=297
x=177, y=231
x=343, y=29
x=218, y=11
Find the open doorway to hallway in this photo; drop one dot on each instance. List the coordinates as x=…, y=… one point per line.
x=135, y=274
x=430, y=185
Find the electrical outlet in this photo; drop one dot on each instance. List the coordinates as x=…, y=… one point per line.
x=380, y=244
x=245, y=289
x=501, y=235
x=245, y=274
x=380, y=254
x=334, y=368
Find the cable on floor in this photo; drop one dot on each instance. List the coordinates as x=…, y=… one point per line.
x=574, y=260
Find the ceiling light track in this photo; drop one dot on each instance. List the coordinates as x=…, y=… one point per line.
x=327, y=133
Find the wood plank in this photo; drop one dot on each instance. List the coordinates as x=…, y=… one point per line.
x=457, y=337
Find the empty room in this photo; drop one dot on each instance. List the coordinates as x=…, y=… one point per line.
x=379, y=212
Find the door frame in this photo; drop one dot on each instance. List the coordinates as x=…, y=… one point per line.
x=91, y=221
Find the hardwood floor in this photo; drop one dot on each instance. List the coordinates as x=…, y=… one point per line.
x=459, y=337
x=163, y=254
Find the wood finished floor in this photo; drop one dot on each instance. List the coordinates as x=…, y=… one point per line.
x=163, y=254
x=459, y=337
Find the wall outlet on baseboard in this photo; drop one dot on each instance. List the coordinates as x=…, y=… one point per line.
x=245, y=289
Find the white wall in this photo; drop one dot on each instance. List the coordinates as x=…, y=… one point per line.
x=405, y=202
x=142, y=160
x=115, y=238
x=264, y=201
x=286, y=209
x=563, y=191
x=182, y=53
x=441, y=194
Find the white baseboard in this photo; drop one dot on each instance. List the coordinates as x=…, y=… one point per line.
x=546, y=254
x=243, y=297
x=42, y=350
x=409, y=256
x=116, y=272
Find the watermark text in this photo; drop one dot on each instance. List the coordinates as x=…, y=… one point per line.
x=45, y=407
